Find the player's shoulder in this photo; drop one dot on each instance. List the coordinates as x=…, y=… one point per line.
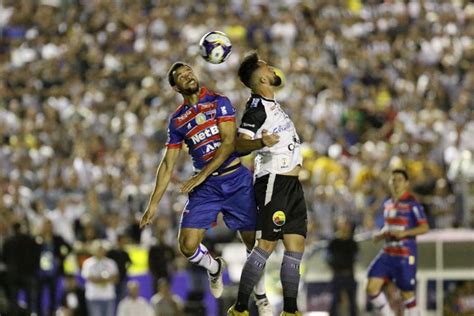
x=254, y=102
x=179, y=110
x=409, y=198
x=222, y=99
x=211, y=94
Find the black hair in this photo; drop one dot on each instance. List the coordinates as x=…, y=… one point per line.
x=17, y=228
x=403, y=172
x=173, y=68
x=247, y=68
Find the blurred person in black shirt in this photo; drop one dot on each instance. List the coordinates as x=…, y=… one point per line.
x=160, y=259
x=22, y=258
x=73, y=300
x=123, y=261
x=3, y=268
x=342, y=252
x=54, y=250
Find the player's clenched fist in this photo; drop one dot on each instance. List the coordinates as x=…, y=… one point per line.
x=269, y=139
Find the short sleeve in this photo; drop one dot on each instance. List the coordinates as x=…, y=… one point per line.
x=175, y=140
x=225, y=111
x=419, y=213
x=253, y=119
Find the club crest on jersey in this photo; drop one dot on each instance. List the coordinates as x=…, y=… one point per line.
x=279, y=218
x=200, y=118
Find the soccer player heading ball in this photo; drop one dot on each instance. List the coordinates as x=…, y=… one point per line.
x=280, y=198
x=404, y=219
x=206, y=123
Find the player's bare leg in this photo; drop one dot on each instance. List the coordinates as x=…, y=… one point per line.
x=409, y=301
x=377, y=296
x=248, y=238
x=261, y=299
x=191, y=246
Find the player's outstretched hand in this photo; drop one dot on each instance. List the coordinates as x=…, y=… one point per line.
x=269, y=139
x=147, y=217
x=189, y=185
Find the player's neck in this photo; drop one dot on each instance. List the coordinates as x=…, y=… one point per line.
x=399, y=196
x=266, y=92
x=192, y=99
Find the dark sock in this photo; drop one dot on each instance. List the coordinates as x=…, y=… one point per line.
x=290, y=279
x=251, y=273
x=290, y=305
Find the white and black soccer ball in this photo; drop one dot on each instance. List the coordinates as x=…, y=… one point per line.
x=215, y=47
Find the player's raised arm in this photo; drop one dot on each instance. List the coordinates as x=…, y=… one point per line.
x=163, y=176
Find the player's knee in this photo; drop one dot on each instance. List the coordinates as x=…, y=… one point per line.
x=406, y=295
x=294, y=242
x=267, y=245
x=372, y=288
x=188, y=246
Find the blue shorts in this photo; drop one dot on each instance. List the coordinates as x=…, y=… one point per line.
x=232, y=194
x=398, y=269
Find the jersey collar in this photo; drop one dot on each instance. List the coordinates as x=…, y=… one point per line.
x=405, y=196
x=202, y=93
x=255, y=95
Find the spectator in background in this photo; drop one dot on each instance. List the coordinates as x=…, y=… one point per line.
x=123, y=261
x=101, y=275
x=22, y=258
x=133, y=304
x=342, y=252
x=53, y=252
x=73, y=300
x=62, y=219
x=160, y=259
x=442, y=203
x=3, y=268
x=164, y=302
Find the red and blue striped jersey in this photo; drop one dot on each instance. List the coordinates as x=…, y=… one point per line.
x=197, y=126
x=404, y=214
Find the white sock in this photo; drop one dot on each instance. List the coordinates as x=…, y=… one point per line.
x=381, y=304
x=259, y=288
x=202, y=258
x=410, y=307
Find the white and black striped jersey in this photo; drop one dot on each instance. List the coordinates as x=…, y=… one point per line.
x=266, y=114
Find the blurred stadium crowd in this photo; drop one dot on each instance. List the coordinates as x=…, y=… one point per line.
x=371, y=85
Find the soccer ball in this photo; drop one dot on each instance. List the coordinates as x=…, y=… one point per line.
x=215, y=47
